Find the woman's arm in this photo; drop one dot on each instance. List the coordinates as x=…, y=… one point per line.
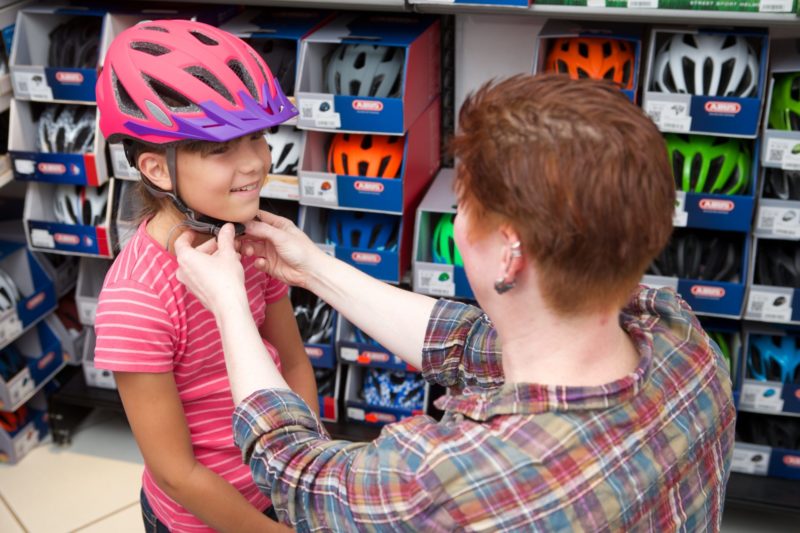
x=280, y=329
x=156, y=416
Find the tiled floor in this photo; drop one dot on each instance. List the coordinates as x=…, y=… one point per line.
x=92, y=486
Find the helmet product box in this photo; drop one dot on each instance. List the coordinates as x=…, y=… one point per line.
x=22, y=429
x=436, y=262
x=316, y=321
x=370, y=171
x=70, y=219
x=57, y=143
x=767, y=445
x=27, y=294
x=778, y=213
x=369, y=72
x=706, y=81
x=774, y=294
x=41, y=357
x=376, y=396
x=781, y=147
x=493, y=3
x=753, y=6
x=8, y=16
x=358, y=348
x=770, y=369
x=91, y=273
x=56, y=53
x=286, y=146
x=583, y=50
x=709, y=269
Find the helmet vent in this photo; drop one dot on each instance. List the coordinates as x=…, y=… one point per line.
x=388, y=54
x=155, y=28
x=209, y=79
x=241, y=73
x=582, y=74
x=708, y=69
x=583, y=50
x=688, y=69
x=688, y=40
x=361, y=60
x=203, y=38
x=256, y=59
x=366, y=142
x=363, y=167
x=626, y=73
x=562, y=67
x=607, y=51
x=124, y=100
x=355, y=87
x=697, y=165
x=345, y=164
x=677, y=165
x=794, y=91
x=610, y=74
x=384, y=165
x=714, y=169
x=730, y=41
x=726, y=74
x=169, y=96
x=152, y=49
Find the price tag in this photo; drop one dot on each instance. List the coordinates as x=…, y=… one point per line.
x=762, y=396
x=437, y=280
x=669, y=115
x=643, y=4
x=281, y=187
x=319, y=190
x=32, y=85
x=320, y=113
x=680, y=217
x=355, y=413
x=24, y=166
x=779, y=221
x=329, y=249
x=775, y=6
x=791, y=157
x=770, y=305
x=750, y=459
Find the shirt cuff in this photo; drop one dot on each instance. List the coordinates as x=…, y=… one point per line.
x=449, y=326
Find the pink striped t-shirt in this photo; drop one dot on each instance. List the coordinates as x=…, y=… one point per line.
x=147, y=321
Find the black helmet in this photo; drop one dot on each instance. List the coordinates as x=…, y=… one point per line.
x=700, y=255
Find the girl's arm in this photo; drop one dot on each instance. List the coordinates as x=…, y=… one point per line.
x=280, y=329
x=156, y=416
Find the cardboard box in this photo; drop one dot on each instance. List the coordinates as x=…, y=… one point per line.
x=34, y=428
x=776, y=218
x=91, y=275
x=781, y=148
x=767, y=303
x=772, y=396
x=421, y=159
x=95, y=377
x=62, y=269
x=415, y=36
x=284, y=185
x=329, y=402
x=357, y=410
x=710, y=115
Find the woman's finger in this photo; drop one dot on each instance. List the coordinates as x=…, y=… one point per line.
x=184, y=241
x=225, y=238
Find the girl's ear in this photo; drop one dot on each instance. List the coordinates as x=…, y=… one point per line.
x=154, y=167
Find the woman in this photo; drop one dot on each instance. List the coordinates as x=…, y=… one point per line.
x=578, y=401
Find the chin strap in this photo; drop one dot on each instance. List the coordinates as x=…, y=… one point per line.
x=195, y=221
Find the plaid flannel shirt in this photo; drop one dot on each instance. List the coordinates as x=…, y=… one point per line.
x=648, y=452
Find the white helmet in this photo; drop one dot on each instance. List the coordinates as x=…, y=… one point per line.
x=365, y=70
x=9, y=293
x=66, y=129
x=284, y=143
x=707, y=65
x=76, y=204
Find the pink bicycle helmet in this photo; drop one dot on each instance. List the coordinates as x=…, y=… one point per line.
x=171, y=80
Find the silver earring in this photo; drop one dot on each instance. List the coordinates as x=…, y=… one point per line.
x=501, y=286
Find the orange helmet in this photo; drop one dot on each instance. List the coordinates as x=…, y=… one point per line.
x=593, y=57
x=371, y=156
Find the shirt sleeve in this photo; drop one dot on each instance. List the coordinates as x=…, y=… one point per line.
x=461, y=348
x=274, y=290
x=319, y=484
x=134, y=330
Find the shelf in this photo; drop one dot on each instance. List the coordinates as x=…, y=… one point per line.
x=372, y=5
x=764, y=493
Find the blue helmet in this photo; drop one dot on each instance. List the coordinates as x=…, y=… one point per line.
x=774, y=358
x=388, y=388
x=356, y=229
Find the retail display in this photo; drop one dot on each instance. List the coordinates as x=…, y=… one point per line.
x=9, y=293
x=75, y=43
x=702, y=163
x=76, y=204
x=66, y=129
x=357, y=229
x=372, y=156
x=388, y=388
x=365, y=70
x=314, y=317
x=444, y=244
x=784, y=113
x=700, y=256
x=778, y=263
x=284, y=144
x=593, y=57
x=774, y=358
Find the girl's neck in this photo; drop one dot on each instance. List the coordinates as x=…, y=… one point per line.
x=165, y=227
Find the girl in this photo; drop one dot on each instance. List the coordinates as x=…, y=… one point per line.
x=190, y=104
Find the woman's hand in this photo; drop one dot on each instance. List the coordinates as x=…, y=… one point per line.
x=212, y=271
x=283, y=251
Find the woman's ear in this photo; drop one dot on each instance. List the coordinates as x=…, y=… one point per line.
x=154, y=167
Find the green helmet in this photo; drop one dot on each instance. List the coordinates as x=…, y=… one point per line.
x=444, y=245
x=784, y=112
x=706, y=164
x=724, y=346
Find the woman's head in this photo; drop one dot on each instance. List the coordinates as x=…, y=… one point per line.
x=579, y=172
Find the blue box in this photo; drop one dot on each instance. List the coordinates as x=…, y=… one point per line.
x=430, y=277
x=421, y=159
x=38, y=297
x=711, y=115
x=329, y=403
x=555, y=29
x=417, y=36
x=45, y=234
x=781, y=148
x=357, y=410
x=766, y=461
x=365, y=351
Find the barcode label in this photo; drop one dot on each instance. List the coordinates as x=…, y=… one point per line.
x=762, y=396
x=775, y=6
x=750, y=459
x=643, y=4
x=779, y=221
x=771, y=305
x=437, y=281
x=669, y=115
x=319, y=190
x=319, y=113
x=680, y=218
x=783, y=152
x=32, y=85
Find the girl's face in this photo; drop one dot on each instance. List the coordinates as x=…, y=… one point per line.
x=226, y=182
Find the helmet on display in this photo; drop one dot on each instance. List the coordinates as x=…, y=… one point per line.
x=357, y=229
x=66, y=129
x=371, y=156
x=9, y=293
x=707, y=64
x=11, y=362
x=768, y=430
x=75, y=43
x=314, y=317
x=701, y=163
x=699, y=255
x=281, y=57
x=284, y=144
x=388, y=388
x=782, y=184
x=778, y=263
x=784, y=113
x=326, y=381
x=170, y=80
x=444, y=245
x=76, y=204
x=597, y=58
x=12, y=422
x=774, y=358
x=723, y=342
x=365, y=70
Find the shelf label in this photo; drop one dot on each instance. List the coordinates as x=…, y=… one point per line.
x=750, y=459
x=41, y=238
x=595, y=3
x=670, y=114
x=783, y=152
x=779, y=221
x=31, y=85
x=348, y=353
x=775, y=6
x=773, y=304
x=355, y=413
x=762, y=396
x=436, y=280
x=680, y=217
x=320, y=113
x=319, y=190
